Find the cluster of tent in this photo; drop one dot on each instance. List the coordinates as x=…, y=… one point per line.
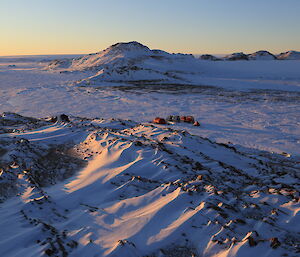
x=175, y=118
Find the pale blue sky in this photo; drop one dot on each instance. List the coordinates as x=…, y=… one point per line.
x=191, y=26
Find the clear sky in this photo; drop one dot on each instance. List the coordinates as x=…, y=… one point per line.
x=190, y=26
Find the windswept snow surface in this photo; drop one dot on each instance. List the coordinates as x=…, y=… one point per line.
x=141, y=190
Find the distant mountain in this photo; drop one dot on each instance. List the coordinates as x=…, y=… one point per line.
x=135, y=63
x=262, y=55
x=290, y=55
x=130, y=61
x=236, y=57
x=209, y=57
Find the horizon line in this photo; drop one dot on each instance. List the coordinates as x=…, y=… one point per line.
x=216, y=54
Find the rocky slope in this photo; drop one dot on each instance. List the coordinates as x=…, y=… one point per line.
x=94, y=187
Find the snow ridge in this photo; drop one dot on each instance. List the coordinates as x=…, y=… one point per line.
x=147, y=190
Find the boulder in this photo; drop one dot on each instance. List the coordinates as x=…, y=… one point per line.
x=64, y=117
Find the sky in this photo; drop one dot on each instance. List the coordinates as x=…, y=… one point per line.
x=188, y=26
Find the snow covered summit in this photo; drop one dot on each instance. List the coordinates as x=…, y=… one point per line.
x=262, y=55
x=236, y=57
x=290, y=55
x=130, y=61
x=117, y=54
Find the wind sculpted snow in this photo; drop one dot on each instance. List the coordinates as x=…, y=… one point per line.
x=129, y=189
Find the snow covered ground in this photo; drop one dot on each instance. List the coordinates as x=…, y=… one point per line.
x=98, y=186
x=119, y=188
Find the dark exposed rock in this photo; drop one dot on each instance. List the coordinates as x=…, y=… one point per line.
x=64, y=118
x=236, y=57
x=274, y=242
x=209, y=57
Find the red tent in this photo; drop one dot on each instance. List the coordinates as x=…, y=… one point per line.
x=159, y=120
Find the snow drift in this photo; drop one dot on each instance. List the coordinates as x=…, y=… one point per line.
x=141, y=190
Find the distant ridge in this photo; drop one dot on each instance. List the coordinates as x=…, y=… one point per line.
x=135, y=63
x=290, y=55
x=261, y=55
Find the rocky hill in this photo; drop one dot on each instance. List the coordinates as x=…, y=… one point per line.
x=236, y=57
x=209, y=57
x=129, y=62
x=290, y=55
x=262, y=55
